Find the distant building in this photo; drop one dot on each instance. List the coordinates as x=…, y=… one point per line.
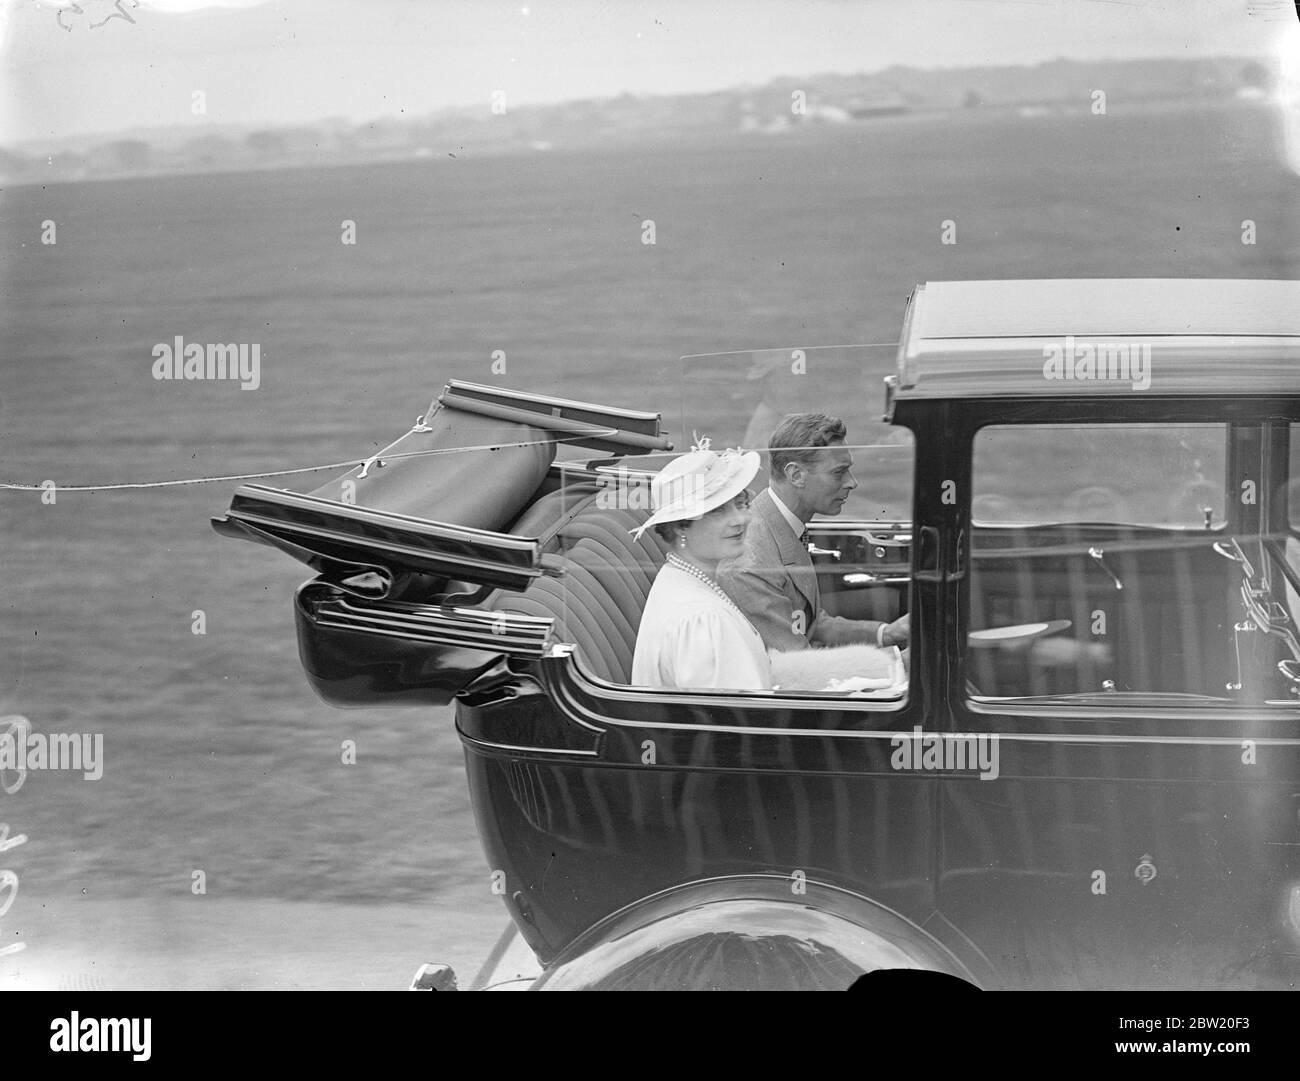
x=827, y=114
x=870, y=108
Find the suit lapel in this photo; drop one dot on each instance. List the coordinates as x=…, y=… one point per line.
x=792, y=554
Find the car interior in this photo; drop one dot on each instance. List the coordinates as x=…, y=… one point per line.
x=1113, y=596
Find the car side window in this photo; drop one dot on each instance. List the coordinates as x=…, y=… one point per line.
x=1094, y=563
x=1292, y=487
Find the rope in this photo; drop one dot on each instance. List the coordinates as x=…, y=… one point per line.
x=8, y=486
x=282, y=472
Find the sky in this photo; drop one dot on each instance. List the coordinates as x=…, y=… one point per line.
x=70, y=69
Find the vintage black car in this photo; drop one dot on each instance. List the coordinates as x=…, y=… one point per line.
x=1086, y=493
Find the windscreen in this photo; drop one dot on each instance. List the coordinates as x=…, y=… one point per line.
x=740, y=398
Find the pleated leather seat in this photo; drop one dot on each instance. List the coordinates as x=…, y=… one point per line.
x=641, y=559
x=598, y=603
x=615, y=582
x=574, y=622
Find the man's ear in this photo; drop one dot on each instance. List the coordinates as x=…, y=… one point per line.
x=794, y=474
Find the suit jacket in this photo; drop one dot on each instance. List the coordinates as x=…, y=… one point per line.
x=775, y=585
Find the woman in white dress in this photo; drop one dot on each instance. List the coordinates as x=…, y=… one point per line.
x=692, y=635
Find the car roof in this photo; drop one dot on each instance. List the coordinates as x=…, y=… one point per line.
x=1156, y=336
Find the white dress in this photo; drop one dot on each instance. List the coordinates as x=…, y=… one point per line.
x=692, y=639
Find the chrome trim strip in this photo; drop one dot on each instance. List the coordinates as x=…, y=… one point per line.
x=503, y=628
x=414, y=610
x=375, y=549
x=571, y=708
x=509, y=747
x=496, y=644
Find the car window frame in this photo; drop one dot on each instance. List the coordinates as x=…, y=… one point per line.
x=1019, y=712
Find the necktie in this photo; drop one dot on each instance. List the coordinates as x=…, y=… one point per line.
x=816, y=598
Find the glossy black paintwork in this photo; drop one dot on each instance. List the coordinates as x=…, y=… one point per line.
x=350, y=668
x=357, y=652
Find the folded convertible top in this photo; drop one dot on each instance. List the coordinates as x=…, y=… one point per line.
x=429, y=508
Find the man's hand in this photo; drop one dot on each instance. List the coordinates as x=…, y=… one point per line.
x=898, y=633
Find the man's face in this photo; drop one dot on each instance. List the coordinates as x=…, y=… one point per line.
x=828, y=482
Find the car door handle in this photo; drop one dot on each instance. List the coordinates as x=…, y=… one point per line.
x=858, y=579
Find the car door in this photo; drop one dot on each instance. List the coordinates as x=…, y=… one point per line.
x=1141, y=829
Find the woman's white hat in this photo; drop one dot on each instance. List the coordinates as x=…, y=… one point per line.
x=697, y=482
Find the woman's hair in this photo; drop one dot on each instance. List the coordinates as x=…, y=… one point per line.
x=668, y=531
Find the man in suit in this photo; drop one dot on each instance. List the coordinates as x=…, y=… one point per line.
x=774, y=582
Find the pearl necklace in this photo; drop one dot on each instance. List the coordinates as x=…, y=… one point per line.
x=695, y=572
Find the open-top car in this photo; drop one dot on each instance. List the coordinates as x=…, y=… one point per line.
x=1085, y=493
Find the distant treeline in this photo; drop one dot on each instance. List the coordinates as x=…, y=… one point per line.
x=500, y=127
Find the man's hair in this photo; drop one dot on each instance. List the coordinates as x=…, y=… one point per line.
x=798, y=438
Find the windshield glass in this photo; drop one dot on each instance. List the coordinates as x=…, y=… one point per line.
x=738, y=399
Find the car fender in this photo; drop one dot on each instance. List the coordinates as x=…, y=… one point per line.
x=749, y=932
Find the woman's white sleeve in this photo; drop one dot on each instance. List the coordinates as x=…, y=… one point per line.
x=709, y=651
